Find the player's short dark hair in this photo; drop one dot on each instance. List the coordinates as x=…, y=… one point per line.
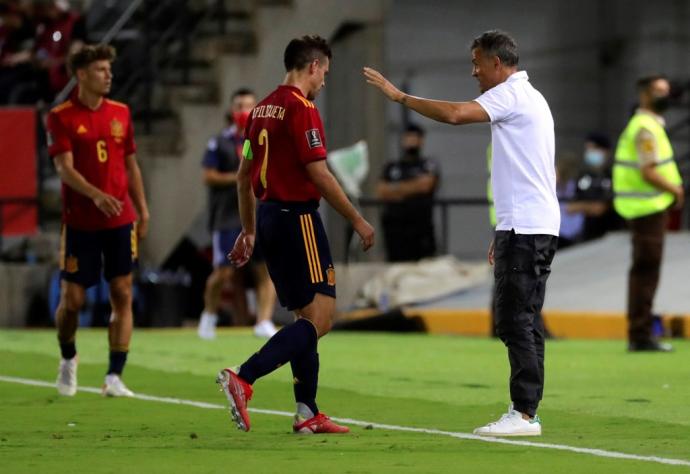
x=644, y=82
x=599, y=139
x=414, y=128
x=89, y=54
x=498, y=43
x=301, y=51
x=241, y=92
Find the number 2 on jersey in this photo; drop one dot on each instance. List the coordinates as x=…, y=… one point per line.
x=102, y=150
x=263, y=139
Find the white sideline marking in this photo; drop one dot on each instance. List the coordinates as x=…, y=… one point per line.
x=530, y=444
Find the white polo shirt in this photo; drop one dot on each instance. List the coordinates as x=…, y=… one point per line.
x=523, y=174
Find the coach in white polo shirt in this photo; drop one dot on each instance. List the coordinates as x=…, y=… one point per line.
x=524, y=184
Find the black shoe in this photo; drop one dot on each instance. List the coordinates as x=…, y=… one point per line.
x=649, y=346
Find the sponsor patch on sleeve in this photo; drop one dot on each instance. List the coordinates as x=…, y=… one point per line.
x=314, y=138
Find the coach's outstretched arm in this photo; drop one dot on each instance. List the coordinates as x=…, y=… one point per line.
x=333, y=193
x=244, y=245
x=455, y=113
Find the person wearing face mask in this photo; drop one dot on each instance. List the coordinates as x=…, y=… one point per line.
x=594, y=189
x=220, y=164
x=646, y=184
x=408, y=186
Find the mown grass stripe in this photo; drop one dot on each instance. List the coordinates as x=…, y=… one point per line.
x=409, y=429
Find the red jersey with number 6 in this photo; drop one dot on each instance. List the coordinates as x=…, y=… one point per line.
x=99, y=141
x=284, y=134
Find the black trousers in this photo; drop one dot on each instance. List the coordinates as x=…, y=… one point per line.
x=522, y=264
x=647, y=253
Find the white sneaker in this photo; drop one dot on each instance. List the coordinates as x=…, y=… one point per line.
x=511, y=424
x=207, y=326
x=265, y=329
x=115, y=387
x=67, y=377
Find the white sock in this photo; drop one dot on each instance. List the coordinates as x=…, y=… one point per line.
x=303, y=411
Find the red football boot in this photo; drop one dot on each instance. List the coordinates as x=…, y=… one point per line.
x=238, y=393
x=318, y=424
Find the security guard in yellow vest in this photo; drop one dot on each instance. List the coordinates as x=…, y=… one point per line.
x=646, y=183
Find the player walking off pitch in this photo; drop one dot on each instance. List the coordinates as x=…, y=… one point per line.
x=284, y=166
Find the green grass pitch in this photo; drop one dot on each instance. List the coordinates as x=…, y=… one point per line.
x=597, y=396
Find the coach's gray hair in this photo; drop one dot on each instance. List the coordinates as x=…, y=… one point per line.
x=498, y=43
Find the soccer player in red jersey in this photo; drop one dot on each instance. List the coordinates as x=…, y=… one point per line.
x=285, y=166
x=91, y=140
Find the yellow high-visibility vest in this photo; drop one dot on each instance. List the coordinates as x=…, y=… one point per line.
x=633, y=196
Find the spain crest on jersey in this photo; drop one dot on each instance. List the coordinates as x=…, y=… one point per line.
x=117, y=130
x=330, y=273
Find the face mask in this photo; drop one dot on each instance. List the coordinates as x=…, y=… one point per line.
x=412, y=152
x=661, y=104
x=240, y=119
x=594, y=158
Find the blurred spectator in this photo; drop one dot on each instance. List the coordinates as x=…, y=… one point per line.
x=60, y=31
x=35, y=40
x=16, y=44
x=572, y=221
x=408, y=187
x=594, y=194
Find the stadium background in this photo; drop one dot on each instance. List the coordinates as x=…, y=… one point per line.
x=179, y=61
x=410, y=399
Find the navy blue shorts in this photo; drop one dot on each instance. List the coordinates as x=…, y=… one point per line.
x=294, y=244
x=224, y=241
x=84, y=253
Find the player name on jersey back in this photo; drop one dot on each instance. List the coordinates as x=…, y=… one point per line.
x=269, y=111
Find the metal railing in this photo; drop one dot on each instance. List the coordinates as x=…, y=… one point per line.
x=167, y=30
x=443, y=204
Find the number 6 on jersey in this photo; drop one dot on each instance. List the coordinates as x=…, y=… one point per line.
x=102, y=150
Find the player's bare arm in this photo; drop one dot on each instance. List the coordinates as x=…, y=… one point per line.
x=333, y=193
x=244, y=245
x=454, y=113
x=136, y=193
x=107, y=204
x=213, y=177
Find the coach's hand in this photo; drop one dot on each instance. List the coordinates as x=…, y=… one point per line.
x=108, y=205
x=242, y=250
x=490, y=254
x=375, y=78
x=365, y=232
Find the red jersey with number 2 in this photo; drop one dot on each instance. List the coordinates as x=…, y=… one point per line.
x=99, y=141
x=284, y=134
